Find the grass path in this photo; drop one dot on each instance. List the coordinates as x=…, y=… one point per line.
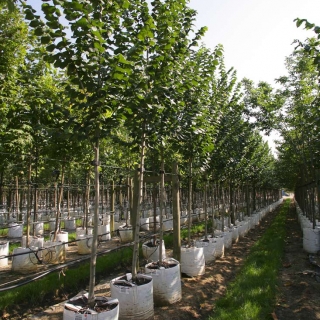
x=252, y=294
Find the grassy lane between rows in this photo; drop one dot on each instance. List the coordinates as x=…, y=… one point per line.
x=251, y=296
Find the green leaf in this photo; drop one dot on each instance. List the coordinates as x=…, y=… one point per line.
x=29, y=15
x=83, y=22
x=47, y=9
x=34, y=23
x=125, y=4
x=118, y=76
x=38, y=31
x=45, y=40
x=51, y=47
x=123, y=60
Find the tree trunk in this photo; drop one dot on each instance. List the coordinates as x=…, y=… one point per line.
x=93, y=261
x=189, y=200
x=176, y=213
x=135, y=257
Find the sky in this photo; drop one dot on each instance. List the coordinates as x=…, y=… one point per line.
x=257, y=35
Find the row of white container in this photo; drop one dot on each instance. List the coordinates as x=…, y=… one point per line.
x=162, y=286
x=311, y=236
x=84, y=242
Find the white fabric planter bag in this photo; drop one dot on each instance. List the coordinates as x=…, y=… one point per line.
x=183, y=220
x=250, y=222
x=125, y=233
x=52, y=224
x=4, y=251
x=144, y=224
x=192, y=261
x=202, y=215
x=26, y=260
x=70, y=224
x=219, y=246
x=209, y=249
x=167, y=224
x=53, y=252
x=242, y=229
x=38, y=226
x=104, y=232
x=135, y=301
x=84, y=243
x=33, y=241
x=151, y=223
x=61, y=236
x=106, y=219
x=72, y=309
x=116, y=217
x=166, y=283
x=152, y=253
x=227, y=239
x=311, y=240
x=82, y=231
x=194, y=217
x=15, y=230
x=235, y=234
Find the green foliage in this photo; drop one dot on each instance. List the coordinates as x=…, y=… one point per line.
x=300, y=126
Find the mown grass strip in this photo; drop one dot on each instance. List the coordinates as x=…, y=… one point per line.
x=252, y=295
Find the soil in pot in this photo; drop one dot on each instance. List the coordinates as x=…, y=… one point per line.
x=135, y=298
x=105, y=308
x=166, y=281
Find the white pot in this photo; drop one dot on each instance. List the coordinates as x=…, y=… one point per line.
x=192, y=261
x=4, y=251
x=24, y=260
x=167, y=224
x=235, y=234
x=151, y=253
x=72, y=307
x=151, y=223
x=33, y=241
x=125, y=233
x=52, y=224
x=183, y=220
x=227, y=239
x=62, y=236
x=106, y=218
x=144, y=224
x=311, y=239
x=82, y=231
x=15, y=230
x=84, y=243
x=38, y=228
x=135, y=301
x=53, y=252
x=166, y=282
x=209, y=249
x=104, y=232
x=219, y=246
x=194, y=217
x=70, y=224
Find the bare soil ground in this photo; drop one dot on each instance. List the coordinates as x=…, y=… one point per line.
x=299, y=281
x=298, y=291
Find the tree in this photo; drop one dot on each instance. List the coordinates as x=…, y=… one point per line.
x=102, y=35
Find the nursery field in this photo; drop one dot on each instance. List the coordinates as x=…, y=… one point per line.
x=297, y=291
